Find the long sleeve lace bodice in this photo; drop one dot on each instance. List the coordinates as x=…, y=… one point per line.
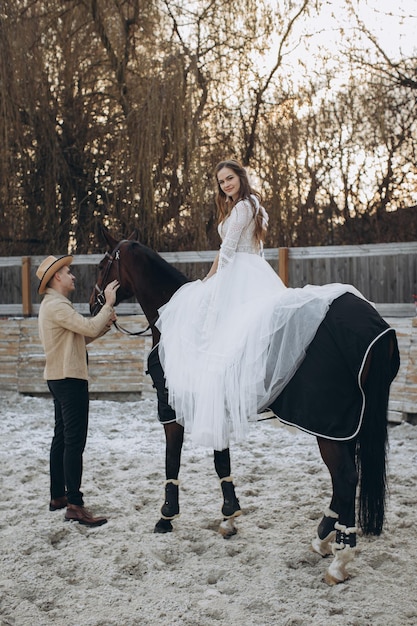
x=237, y=232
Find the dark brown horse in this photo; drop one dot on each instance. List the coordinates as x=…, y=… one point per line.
x=339, y=394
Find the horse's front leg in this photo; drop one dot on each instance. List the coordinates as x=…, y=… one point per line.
x=336, y=532
x=231, y=507
x=174, y=438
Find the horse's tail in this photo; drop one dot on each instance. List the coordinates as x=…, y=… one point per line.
x=372, y=443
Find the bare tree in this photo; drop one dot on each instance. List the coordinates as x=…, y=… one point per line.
x=118, y=110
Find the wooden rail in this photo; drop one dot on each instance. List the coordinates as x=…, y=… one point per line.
x=26, y=287
x=283, y=265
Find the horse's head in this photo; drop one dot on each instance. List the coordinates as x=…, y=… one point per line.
x=111, y=268
x=141, y=272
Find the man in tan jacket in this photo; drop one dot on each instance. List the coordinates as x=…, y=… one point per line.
x=64, y=334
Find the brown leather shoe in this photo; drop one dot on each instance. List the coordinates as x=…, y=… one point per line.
x=58, y=503
x=80, y=514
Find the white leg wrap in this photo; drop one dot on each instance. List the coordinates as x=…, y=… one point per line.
x=226, y=479
x=173, y=481
x=346, y=529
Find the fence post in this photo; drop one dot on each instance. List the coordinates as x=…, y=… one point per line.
x=26, y=288
x=283, y=254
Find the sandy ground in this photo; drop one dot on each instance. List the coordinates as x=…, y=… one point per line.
x=122, y=574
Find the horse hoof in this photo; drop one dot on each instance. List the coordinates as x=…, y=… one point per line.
x=331, y=580
x=227, y=528
x=163, y=526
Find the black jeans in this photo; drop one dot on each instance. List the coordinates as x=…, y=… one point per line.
x=71, y=400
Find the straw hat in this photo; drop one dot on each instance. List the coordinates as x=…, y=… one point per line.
x=48, y=268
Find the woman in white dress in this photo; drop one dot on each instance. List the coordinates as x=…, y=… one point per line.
x=230, y=343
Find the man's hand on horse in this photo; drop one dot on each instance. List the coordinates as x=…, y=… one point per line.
x=110, y=292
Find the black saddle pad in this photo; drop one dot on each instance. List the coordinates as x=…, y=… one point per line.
x=325, y=397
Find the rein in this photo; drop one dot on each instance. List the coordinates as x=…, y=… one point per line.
x=101, y=299
x=125, y=331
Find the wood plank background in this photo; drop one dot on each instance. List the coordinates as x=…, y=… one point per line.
x=384, y=273
x=117, y=363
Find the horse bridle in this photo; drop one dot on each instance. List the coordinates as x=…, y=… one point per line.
x=100, y=297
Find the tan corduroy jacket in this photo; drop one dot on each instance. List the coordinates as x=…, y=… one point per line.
x=64, y=334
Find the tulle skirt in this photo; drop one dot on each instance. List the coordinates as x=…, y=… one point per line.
x=230, y=344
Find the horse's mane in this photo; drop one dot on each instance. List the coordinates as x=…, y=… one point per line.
x=159, y=265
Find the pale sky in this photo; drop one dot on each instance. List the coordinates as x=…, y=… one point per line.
x=392, y=23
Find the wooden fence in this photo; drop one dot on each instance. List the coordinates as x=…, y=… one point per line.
x=385, y=273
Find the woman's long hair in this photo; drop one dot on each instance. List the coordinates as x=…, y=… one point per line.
x=225, y=204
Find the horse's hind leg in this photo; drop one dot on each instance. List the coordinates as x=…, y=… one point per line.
x=326, y=533
x=231, y=507
x=174, y=438
x=338, y=522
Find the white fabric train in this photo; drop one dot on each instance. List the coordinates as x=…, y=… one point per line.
x=230, y=344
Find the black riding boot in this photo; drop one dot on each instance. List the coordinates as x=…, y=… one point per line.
x=231, y=506
x=171, y=508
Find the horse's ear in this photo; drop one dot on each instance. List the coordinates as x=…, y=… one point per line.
x=111, y=242
x=134, y=236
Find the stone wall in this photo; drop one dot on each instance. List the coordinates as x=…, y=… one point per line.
x=117, y=363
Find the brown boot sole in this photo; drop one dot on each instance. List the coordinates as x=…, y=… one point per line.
x=98, y=522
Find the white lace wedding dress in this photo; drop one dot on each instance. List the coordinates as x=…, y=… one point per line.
x=230, y=344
